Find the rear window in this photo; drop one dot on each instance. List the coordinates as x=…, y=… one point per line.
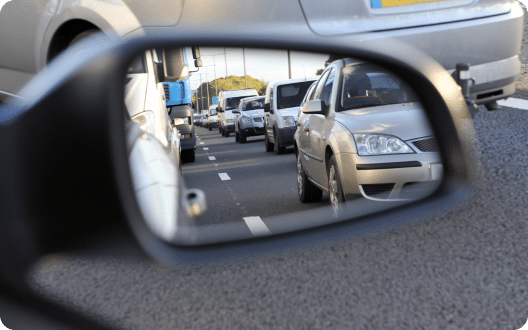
x=367, y=86
x=291, y=95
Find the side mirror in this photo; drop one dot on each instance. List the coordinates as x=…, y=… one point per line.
x=266, y=107
x=198, y=63
x=235, y=111
x=173, y=64
x=314, y=107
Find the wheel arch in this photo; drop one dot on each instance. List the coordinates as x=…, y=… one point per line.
x=65, y=34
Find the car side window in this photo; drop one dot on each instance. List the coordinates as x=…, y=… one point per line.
x=320, y=85
x=327, y=89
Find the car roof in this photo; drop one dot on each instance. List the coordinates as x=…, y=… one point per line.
x=291, y=81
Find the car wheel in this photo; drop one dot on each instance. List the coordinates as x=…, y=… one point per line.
x=219, y=129
x=210, y=128
x=187, y=156
x=278, y=149
x=237, y=136
x=227, y=133
x=306, y=190
x=267, y=143
x=243, y=137
x=334, y=188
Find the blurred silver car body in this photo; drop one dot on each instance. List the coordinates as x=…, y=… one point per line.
x=371, y=130
x=486, y=34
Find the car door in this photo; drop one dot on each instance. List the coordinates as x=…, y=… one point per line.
x=320, y=127
x=270, y=116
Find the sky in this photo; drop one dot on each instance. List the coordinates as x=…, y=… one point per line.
x=266, y=65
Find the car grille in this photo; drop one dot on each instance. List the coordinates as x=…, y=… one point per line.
x=167, y=92
x=257, y=120
x=259, y=129
x=426, y=145
x=381, y=190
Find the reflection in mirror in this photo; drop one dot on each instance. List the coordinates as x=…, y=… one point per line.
x=343, y=139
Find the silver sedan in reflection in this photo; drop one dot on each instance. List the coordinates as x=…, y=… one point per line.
x=362, y=132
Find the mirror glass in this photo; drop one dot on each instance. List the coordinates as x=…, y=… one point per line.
x=344, y=138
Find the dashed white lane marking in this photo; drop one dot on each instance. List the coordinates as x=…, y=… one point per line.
x=257, y=226
x=205, y=148
x=224, y=176
x=212, y=158
x=201, y=142
x=514, y=103
x=198, y=139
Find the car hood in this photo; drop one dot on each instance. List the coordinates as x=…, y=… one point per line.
x=406, y=121
x=253, y=113
x=294, y=111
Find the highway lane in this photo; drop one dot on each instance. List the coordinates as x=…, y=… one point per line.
x=261, y=184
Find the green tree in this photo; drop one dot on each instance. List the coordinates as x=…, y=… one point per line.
x=220, y=84
x=330, y=59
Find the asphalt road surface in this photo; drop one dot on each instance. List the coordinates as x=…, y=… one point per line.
x=464, y=269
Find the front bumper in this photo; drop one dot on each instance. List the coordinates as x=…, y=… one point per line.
x=286, y=136
x=389, y=177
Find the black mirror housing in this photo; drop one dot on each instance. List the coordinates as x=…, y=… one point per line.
x=266, y=107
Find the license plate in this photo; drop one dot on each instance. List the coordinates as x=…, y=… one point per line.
x=436, y=171
x=396, y=3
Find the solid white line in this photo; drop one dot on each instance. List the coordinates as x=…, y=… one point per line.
x=212, y=158
x=224, y=176
x=257, y=226
x=514, y=103
x=201, y=143
x=205, y=148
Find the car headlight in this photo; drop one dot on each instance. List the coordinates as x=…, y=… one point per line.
x=227, y=121
x=246, y=120
x=377, y=144
x=288, y=121
x=145, y=121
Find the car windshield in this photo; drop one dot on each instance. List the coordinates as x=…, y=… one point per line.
x=367, y=86
x=233, y=102
x=253, y=104
x=291, y=95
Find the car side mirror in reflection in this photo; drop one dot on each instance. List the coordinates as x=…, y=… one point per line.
x=314, y=107
x=266, y=107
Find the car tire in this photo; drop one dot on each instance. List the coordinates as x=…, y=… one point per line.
x=210, y=128
x=307, y=191
x=188, y=156
x=237, y=136
x=219, y=129
x=227, y=133
x=267, y=143
x=242, y=137
x=278, y=149
x=335, y=190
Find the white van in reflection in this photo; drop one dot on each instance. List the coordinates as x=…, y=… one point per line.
x=145, y=100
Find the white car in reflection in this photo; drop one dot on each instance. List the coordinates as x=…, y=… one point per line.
x=362, y=132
